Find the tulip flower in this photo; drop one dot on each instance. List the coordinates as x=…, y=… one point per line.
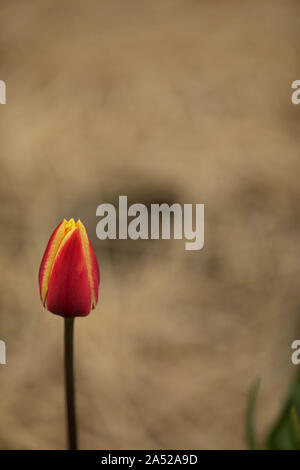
x=69, y=273
x=68, y=280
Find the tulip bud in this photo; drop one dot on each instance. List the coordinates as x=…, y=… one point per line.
x=69, y=273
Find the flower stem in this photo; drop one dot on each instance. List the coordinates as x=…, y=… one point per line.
x=69, y=383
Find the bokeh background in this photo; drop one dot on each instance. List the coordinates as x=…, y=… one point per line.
x=165, y=101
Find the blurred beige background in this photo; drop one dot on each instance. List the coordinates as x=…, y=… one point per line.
x=165, y=101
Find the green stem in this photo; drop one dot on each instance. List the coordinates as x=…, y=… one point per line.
x=69, y=383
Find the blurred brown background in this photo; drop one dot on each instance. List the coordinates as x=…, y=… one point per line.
x=165, y=101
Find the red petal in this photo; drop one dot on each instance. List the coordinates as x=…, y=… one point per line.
x=92, y=263
x=69, y=290
x=95, y=273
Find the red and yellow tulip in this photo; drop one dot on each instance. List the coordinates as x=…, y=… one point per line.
x=69, y=273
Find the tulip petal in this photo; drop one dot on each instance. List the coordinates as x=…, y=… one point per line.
x=92, y=264
x=69, y=290
x=49, y=257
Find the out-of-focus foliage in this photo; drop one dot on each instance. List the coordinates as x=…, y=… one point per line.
x=285, y=433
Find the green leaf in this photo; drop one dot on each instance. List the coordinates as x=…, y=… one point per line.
x=250, y=432
x=294, y=428
x=283, y=435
